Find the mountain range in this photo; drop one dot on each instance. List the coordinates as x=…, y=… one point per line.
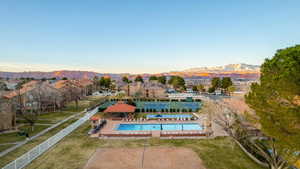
x=227, y=68
x=231, y=70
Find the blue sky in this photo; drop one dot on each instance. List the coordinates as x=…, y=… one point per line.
x=139, y=36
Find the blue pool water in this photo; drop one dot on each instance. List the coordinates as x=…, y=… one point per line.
x=155, y=116
x=151, y=127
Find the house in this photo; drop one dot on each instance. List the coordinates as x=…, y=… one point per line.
x=69, y=89
x=87, y=86
x=35, y=95
x=8, y=117
x=11, y=84
x=147, y=89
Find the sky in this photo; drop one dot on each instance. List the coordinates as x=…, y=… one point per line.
x=143, y=36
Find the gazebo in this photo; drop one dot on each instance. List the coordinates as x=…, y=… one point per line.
x=121, y=109
x=95, y=120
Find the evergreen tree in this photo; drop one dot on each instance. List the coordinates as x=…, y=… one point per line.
x=162, y=79
x=276, y=99
x=216, y=82
x=152, y=78
x=177, y=82
x=139, y=78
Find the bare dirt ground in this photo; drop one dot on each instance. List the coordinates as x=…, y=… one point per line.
x=151, y=158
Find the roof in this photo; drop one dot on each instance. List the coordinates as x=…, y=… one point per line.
x=60, y=84
x=95, y=117
x=66, y=83
x=25, y=88
x=32, y=83
x=120, y=108
x=85, y=82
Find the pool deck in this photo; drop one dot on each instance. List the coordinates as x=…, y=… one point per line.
x=109, y=130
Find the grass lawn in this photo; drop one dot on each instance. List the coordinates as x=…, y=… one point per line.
x=14, y=137
x=54, y=117
x=49, y=118
x=4, y=147
x=75, y=150
x=10, y=137
x=21, y=150
x=70, y=109
x=84, y=103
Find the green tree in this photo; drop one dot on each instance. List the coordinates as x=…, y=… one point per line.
x=216, y=82
x=162, y=79
x=139, y=78
x=276, y=99
x=152, y=78
x=226, y=82
x=177, y=82
x=125, y=79
x=195, y=89
x=211, y=90
x=105, y=82
x=201, y=88
x=231, y=89
x=64, y=78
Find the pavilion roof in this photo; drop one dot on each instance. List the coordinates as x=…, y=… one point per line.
x=120, y=108
x=95, y=117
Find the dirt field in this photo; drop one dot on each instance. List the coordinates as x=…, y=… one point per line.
x=151, y=158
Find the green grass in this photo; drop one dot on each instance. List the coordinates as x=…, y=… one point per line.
x=54, y=117
x=82, y=104
x=21, y=150
x=75, y=150
x=4, y=147
x=10, y=137
x=49, y=118
x=14, y=137
x=37, y=129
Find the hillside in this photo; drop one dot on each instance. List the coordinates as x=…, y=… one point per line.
x=232, y=70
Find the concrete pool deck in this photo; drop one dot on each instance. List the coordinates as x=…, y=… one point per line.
x=109, y=130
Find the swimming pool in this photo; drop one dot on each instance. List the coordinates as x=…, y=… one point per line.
x=153, y=127
x=168, y=116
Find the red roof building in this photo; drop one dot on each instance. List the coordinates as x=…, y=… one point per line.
x=95, y=118
x=120, y=108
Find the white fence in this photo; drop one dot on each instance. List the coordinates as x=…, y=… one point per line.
x=32, y=154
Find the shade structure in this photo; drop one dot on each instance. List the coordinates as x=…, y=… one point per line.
x=120, y=108
x=95, y=118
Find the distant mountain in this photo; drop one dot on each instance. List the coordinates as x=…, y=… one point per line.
x=227, y=68
x=231, y=70
x=58, y=74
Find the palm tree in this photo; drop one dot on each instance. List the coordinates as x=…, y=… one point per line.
x=126, y=80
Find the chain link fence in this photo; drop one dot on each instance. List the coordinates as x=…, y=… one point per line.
x=35, y=152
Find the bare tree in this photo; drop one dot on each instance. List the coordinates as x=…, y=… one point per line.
x=75, y=95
